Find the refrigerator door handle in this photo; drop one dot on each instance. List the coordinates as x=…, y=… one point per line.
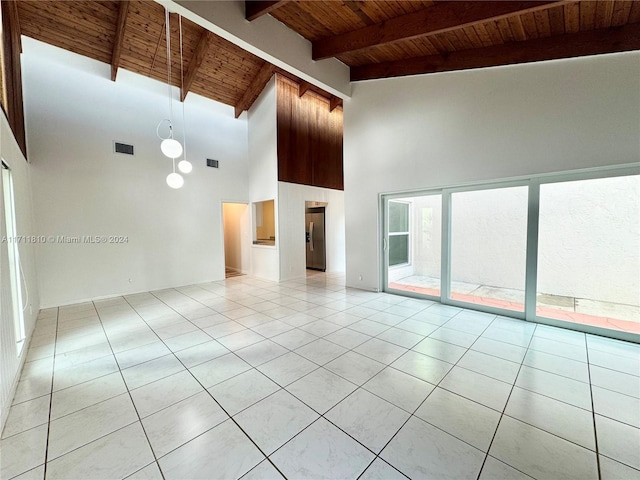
x=311, y=236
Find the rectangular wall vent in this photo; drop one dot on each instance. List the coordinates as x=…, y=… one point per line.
x=123, y=148
x=212, y=163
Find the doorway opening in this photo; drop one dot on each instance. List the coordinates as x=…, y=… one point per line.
x=237, y=238
x=315, y=237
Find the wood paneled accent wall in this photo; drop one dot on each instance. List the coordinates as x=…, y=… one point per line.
x=309, y=137
x=12, y=72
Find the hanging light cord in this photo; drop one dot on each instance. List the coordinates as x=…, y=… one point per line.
x=168, y=34
x=170, y=129
x=184, y=126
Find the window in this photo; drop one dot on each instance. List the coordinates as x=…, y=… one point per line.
x=415, y=248
x=14, y=257
x=3, y=81
x=398, y=233
x=561, y=249
x=265, y=223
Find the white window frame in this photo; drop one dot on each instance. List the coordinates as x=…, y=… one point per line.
x=13, y=253
x=407, y=233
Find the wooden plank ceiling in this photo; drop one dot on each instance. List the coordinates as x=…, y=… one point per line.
x=374, y=38
x=391, y=38
x=131, y=35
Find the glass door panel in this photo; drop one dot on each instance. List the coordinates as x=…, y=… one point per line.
x=589, y=252
x=488, y=247
x=414, y=244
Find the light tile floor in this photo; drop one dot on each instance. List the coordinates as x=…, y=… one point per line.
x=250, y=379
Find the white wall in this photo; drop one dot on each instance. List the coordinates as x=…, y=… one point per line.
x=263, y=174
x=291, y=201
x=446, y=129
x=10, y=362
x=237, y=236
x=74, y=112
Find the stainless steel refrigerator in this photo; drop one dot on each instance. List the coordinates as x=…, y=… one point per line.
x=315, y=237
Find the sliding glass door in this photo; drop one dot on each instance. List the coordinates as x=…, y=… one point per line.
x=488, y=247
x=589, y=252
x=562, y=249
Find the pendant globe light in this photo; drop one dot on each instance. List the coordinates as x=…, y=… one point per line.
x=175, y=180
x=185, y=165
x=169, y=146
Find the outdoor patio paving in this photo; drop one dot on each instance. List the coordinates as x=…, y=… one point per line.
x=586, y=311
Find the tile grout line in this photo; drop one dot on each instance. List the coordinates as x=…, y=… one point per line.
x=502, y=415
x=213, y=398
x=128, y=392
x=325, y=318
x=361, y=386
x=53, y=372
x=437, y=385
x=387, y=365
x=284, y=388
x=593, y=411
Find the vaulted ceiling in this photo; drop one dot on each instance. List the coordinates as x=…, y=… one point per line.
x=392, y=38
x=131, y=35
x=375, y=39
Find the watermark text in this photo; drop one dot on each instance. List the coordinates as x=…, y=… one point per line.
x=67, y=239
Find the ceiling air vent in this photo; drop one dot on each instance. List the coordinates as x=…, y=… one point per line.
x=212, y=163
x=123, y=148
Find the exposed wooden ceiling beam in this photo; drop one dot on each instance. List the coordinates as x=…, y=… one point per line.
x=119, y=38
x=303, y=87
x=198, y=56
x=439, y=18
x=11, y=45
x=257, y=85
x=265, y=74
x=258, y=8
x=334, y=102
x=355, y=8
x=12, y=17
x=594, y=42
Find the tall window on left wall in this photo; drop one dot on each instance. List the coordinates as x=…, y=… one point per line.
x=3, y=72
x=13, y=250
